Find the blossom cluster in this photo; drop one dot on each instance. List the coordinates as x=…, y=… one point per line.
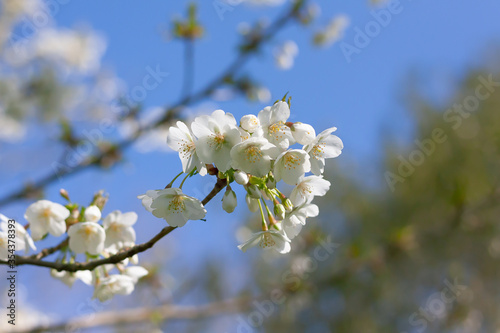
x=85, y=236
x=257, y=153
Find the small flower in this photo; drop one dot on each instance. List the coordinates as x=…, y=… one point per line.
x=291, y=166
x=266, y=240
x=216, y=134
x=241, y=177
x=333, y=32
x=46, y=216
x=135, y=272
x=173, y=206
x=92, y=214
x=295, y=220
x=114, y=285
x=254, y=156
x=304, y=134
x=273, y=121
x=182, y=140
x=118, y=228
x=285, y=54
x=324, y=146
x=308, y=188
x=229, y=201
x=23, y=239
x=86, y=237
x=250, y=123
x=69, y=278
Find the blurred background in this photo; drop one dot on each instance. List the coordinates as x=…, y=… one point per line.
x=407, y=238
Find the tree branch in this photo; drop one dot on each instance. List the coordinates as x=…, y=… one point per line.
x=114, y=259
x=132, y=316
x=172, y=113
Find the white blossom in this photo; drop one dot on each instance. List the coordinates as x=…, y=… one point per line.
x=118, y=228
x=182, y=140
x=12, y=130
x=266, y=240
x=216, y=134
x=334, y=31
x=69, y=278
x=46, y=217
x=79, y=50
x=291, y=166
x=135, y=272
x=254, y=156
x=324, y=146
x=285, y=54
x=92, y=214
x=86, y=237
x=296, y=219
x=273, y=121
x=308, y=188
x=22, y=238
x=113, y=285
x=173, y=206
x=250, y=123
x=303, y=133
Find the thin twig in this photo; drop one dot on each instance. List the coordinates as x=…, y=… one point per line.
x=114, y=259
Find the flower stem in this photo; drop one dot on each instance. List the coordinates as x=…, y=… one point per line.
x=272, y=220
x=187, y=176
x=264, y=224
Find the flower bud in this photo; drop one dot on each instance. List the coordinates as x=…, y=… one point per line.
x=64, y=194
x=254, y=191
x=279, y=211
x=250, y=123
x=287, y=203
x=271, y=182
x=303, y=133
x=241, y=177
x=267, y=194
x=229, y=201
x=252, y=203
x=92, y=214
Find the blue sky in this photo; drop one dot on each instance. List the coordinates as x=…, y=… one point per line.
x=364, y=99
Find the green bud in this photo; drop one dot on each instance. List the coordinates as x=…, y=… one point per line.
x=279, y=211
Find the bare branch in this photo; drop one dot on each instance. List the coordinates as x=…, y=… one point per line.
x=131, y=316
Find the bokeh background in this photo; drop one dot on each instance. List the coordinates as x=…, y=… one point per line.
x=403, y=237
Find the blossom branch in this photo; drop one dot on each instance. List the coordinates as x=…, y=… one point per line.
x=172, y=113
x=132, y=316
x=114, y=259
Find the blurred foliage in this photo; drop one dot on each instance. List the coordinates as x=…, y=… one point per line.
x=439, y=227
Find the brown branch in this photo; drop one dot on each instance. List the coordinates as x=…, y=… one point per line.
x=249, y=48
x=114, y=259
x=132, y=316
x=48, y=251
